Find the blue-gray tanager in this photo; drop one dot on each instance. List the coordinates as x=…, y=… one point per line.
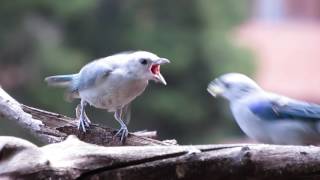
x=268, y=117
x=111, y=83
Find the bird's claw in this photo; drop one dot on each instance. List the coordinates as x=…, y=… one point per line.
x=83, y=120
x=122, y=133
x=84, y=123
x=87, y=122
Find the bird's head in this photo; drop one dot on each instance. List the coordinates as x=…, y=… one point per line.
x=146, y=65
x=232, y=86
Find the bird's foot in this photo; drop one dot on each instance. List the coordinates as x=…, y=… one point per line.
x=122, y=133
x=83, y=119
x=83, y=123
x=87, y=121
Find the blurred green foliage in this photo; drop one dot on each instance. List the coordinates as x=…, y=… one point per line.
x=45, y=37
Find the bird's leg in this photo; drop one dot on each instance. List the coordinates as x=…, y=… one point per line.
x=81, y=115
x=87, y=121
x=123, y=131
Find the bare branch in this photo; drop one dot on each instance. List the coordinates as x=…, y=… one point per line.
x=52, y=127
x=75, y=159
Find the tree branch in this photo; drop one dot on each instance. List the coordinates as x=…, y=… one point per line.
x=52, y=127
x=72, y=158
x=75, y=159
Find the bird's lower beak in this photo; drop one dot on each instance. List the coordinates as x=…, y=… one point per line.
x=214, y=89
x=160, y=78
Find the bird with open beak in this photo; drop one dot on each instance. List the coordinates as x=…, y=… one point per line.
x=111, y=83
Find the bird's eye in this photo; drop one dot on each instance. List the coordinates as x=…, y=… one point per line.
x=245, y=89
x=227, y=85
x=144, y=61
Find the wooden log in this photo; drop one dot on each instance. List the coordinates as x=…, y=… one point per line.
x=72, y=159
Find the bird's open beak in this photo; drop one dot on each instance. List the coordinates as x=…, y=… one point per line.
x=155, y=69
x=215, y=89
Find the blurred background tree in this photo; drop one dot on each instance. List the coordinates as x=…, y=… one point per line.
x=42, y=37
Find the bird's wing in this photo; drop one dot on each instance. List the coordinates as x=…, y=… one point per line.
x=277, y=107
x=92, y=74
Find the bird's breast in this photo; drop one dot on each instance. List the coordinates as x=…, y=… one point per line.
x=113, y=93
x=249, y=123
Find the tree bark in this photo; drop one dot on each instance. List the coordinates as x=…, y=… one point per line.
x=52, y=127
x=73, y=159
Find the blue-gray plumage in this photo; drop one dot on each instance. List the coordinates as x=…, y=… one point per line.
x=265, y=116
x=111, y=83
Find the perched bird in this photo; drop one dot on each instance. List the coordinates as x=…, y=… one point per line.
x=268, y=117
x=111, y=83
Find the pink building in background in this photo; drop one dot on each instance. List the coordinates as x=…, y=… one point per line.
x=284, y=36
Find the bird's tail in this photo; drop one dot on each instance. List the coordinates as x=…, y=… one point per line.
x=61, y=80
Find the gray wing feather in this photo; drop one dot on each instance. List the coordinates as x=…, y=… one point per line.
x=91, y=75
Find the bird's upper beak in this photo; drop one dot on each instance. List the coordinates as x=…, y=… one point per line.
x=155, y=69
x=162, y=61
x=215, y=89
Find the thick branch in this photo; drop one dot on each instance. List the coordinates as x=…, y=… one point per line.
x=75, y=159
x=72, y=158
x=53, y=127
